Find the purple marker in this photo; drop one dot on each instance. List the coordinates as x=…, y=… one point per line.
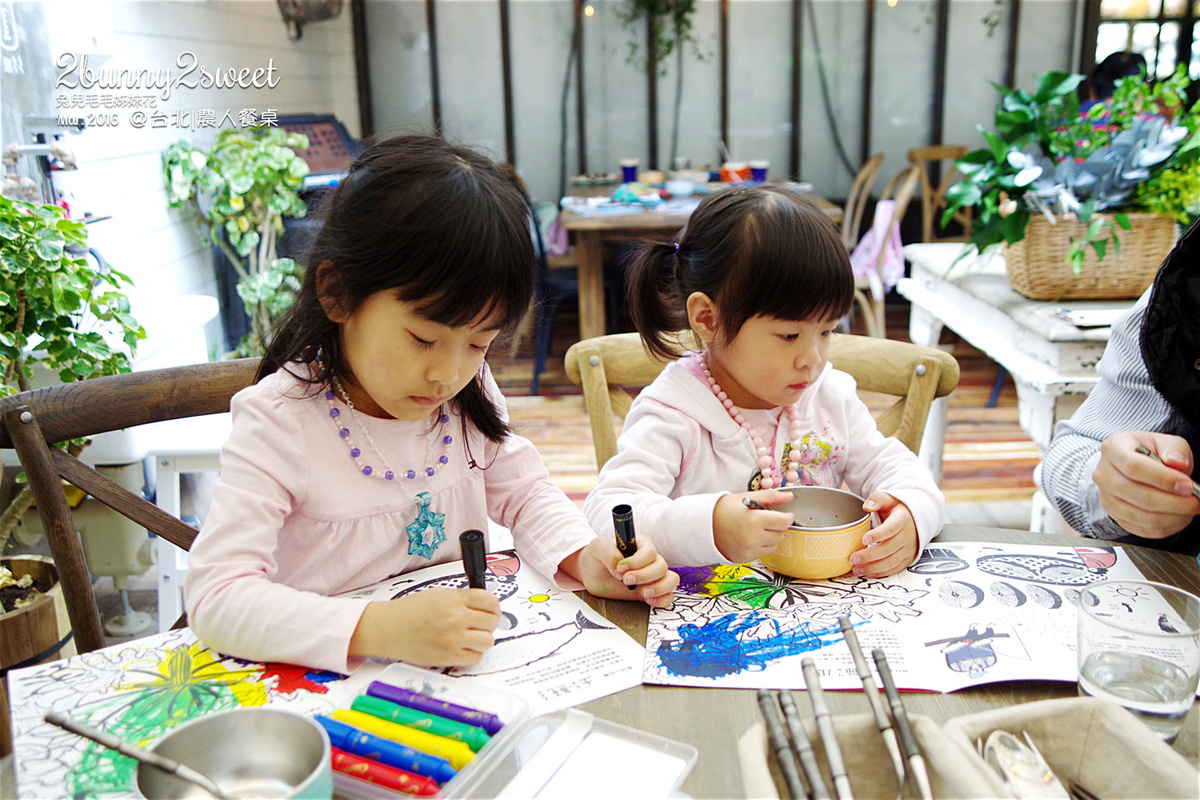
x=352, y=740
x=489, y=722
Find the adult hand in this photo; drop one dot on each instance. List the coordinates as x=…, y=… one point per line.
x=743, y=534
x=1147, y=498
x=430, y=628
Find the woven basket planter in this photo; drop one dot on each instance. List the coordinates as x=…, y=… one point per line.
x=1038, y=268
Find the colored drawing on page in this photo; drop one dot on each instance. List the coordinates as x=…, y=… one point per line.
x=962, y=614
x=137, y=691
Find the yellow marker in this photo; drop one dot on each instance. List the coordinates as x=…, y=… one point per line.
x=457, y=753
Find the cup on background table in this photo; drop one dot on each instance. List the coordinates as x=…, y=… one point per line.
x=1139, y=647
x=758, y=170
x=629, y=170
x=735, y=172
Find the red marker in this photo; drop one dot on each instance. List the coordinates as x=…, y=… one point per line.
x=381, y=774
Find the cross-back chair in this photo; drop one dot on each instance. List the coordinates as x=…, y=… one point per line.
x=899, y=189
x=856, y=201
x=32, y=422
x=606, y=365
x=933, y=198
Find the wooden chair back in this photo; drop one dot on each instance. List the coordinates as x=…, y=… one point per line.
x=933, y=198
x=899, y=189
x=32, y=422
x=606, y=365
x=856, y=201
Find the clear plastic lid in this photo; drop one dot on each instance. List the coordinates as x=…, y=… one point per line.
x=567, y=753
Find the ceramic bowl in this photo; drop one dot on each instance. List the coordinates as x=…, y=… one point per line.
x=680, y=188
x=249, y=752
x=829, y=526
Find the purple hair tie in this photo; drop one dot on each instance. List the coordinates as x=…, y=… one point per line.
x=676, y=248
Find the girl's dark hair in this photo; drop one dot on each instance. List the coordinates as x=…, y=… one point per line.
x=755, y=250
x=439, y=225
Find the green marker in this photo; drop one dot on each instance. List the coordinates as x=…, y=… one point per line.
x=470, y=735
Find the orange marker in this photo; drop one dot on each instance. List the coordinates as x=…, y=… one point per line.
x=457, y=753
x=381, y=774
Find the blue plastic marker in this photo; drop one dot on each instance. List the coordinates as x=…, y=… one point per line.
x=352, y=740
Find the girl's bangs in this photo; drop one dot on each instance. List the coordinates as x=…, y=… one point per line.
x=794, y=272
x=481, y=273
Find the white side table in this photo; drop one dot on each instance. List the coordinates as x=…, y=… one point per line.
x=1052, y=361
x=179, y=446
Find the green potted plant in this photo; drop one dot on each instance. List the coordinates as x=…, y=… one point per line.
x=240, y=190
x=57, y=311
x=1087, y=179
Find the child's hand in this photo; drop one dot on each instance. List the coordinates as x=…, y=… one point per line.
x=606, y=573
x=743, y=534
x=431, y=628
x=892, y=545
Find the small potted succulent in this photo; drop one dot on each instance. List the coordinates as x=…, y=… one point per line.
x=1109, y=185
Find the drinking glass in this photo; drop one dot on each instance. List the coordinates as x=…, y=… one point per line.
x=1139, y=647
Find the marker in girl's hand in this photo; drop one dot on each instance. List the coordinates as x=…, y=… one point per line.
x=474, y=558
x=623, y=529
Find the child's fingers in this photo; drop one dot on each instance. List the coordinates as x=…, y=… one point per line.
x=485, y=602
x=878, y=501
x=660, y=593
x=882, y=532
x=883, y=560
x=771, y=497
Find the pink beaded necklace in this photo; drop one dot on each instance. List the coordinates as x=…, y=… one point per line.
x=769, y=472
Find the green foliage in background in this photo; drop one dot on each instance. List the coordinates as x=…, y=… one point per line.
x=241, y=189
x=54, y=304
x=1136, y=153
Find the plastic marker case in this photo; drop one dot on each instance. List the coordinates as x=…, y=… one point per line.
x=553, y=755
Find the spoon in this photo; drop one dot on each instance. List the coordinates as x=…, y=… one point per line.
x=1022, y=767
x=181, y=771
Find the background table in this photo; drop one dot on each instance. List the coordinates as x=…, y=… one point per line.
x=713, y=719
x=590, y=234
x=1052, y=361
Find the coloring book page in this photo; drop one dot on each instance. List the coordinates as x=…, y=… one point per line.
x=963, y=614
x=552, y=650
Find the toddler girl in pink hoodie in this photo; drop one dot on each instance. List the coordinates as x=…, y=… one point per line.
x=761, y=278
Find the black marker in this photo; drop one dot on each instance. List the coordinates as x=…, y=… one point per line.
x=474, y=559
x=623, y=528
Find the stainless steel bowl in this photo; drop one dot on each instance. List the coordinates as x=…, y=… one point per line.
x=819, y=508
x=249, y=752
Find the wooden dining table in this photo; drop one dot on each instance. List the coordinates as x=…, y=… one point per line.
x=592, y=232
x=713, y=720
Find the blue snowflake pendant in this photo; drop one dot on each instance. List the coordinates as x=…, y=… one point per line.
x=427, y=531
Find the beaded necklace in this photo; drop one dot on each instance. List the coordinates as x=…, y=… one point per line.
x=768, y=473
x=427, y=532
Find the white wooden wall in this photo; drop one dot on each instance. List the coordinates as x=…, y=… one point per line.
x=119, y=171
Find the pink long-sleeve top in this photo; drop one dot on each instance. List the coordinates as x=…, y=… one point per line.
x=294, y=521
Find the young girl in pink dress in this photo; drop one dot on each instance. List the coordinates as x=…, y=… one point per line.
x=376, y=434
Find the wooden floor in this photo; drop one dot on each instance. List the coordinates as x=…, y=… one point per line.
x=988, y=466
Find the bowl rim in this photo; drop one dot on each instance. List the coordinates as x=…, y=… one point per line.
x=312, y=778
x=858, y=521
